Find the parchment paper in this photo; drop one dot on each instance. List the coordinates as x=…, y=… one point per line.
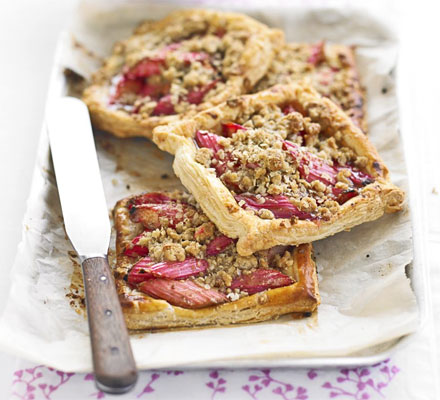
x=366, y=296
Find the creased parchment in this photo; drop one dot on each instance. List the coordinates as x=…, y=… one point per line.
x=366, y=295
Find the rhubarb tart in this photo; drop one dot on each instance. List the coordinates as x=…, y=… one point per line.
x=184, y=63
x=331, y=68
x=280, y=167
x=176, y=269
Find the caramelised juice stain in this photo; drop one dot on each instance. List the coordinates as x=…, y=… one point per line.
x=75, y=292
x=137, y=163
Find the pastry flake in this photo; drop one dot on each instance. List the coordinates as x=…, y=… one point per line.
x=281, y=167
x=332, y=70
x=176, y=269
x=184, y=63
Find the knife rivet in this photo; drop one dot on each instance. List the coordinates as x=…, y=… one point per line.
x=114, y=350
x=103, y=278
x=108, y=312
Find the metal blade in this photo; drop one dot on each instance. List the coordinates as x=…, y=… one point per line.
x=79, y=181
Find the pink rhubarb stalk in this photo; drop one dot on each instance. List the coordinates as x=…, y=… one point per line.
x=186, y=294
x=218, y=245
x=136, y=250
x=261, y=279
x=280, y=206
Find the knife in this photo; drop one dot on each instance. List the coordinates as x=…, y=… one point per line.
x=88, y=228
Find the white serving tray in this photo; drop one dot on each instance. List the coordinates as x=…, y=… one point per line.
x=416, y=271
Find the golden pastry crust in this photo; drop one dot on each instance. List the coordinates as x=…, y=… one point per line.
x=332, y=70
x=184, y=63
x=144, y=312
x=337, y=133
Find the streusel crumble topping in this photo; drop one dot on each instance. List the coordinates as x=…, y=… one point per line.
x=282, y=163
x=173, y=234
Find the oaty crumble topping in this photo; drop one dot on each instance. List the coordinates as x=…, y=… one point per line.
x=177, y=68
x=171, y=231
x=278, y=163
x=331, y=68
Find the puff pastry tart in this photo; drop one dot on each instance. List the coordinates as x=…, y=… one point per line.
x=281, y=167
x=175, y=269
x=183, y=63
x=332, y=69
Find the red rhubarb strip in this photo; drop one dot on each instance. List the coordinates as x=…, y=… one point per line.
x=145, y=269
x=138, y=273
x=196, y=95
x=186, y=294
x=208, y=140
x=178, y=269
x=145, y=68
x=311, y=167
x=342, y=196
x=280, y=206
x=164, y=106
x=151, y=198
x=229, y=128
x=136, y=250
x=218, y=245
x=261, y=279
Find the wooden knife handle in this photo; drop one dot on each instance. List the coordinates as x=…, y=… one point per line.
x=113, y=362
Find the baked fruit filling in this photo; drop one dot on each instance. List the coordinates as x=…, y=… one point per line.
x=172, y=76
x=175, y=253
x=331, y=68
x=277, y=163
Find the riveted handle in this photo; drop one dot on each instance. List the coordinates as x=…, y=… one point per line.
x=113, y=362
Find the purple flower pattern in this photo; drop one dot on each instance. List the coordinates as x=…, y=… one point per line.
x=362, y=383
x=29, y=383
x=358, y=383
x=263, y=380
x=216, y=384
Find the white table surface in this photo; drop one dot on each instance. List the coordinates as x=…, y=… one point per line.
x=28, y=34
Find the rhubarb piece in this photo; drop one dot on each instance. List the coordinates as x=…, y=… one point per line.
x=178, y=269
x=186, y=294
x=145, y=68
x=155, y=91
x=196, y=95
x=136, y=250
x=148, y=208
x=229, y=128
x=342, y=196
x=192, y=56
x=280, y=206
x=208, y=140
x=358, y=178
x=288, y=109
x=126, y=86
x=151, y=198
x=146, y=269
x=261, y=279
x=149, y=214
x=317, y=169
x=317, y=54
x=164, y=106
x=139, y=273
x=218, y=245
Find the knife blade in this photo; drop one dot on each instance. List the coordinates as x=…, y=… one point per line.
x=88, y=227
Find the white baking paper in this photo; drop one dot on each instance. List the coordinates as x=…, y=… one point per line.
x=366, y=296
